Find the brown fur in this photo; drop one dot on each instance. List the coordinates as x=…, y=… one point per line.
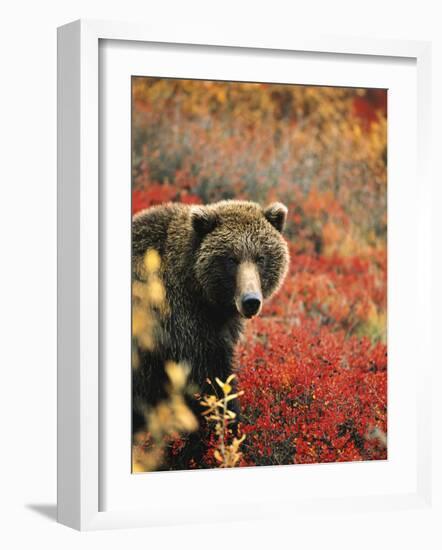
x=203, y=249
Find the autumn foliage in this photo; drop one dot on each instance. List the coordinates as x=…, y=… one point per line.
x=312, y=369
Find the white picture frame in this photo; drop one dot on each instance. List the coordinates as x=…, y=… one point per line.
x=80, y=437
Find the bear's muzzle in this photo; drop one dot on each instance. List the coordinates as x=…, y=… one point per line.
x=248, y=296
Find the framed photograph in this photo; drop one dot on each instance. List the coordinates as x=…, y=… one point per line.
x=243, y=276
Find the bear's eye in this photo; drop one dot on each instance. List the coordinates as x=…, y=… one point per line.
x=232, y=261
x=260, y=260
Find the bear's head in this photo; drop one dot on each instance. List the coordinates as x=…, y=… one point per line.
x=241, y=256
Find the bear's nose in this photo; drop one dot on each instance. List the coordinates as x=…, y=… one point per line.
x=251, y=302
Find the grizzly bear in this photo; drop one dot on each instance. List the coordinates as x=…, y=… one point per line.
x=219, y=262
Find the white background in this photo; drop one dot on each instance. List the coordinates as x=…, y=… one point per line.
x=28, y=263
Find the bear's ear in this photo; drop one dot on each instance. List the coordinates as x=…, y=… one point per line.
x=203, y=220
x=276, y=214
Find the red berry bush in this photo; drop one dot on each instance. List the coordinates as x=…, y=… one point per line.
x=311, y=394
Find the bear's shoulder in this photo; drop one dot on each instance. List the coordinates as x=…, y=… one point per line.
x=150, y=227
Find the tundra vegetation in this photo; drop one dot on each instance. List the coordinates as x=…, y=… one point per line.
x=311, y=369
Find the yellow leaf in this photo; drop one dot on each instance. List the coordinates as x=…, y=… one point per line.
x=156, y=291
x=177, y=374
x=225, y=386
x=152, y=261
x=217, y=455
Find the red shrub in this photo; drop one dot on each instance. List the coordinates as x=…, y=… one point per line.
x=158, y=193
x=310, y=394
